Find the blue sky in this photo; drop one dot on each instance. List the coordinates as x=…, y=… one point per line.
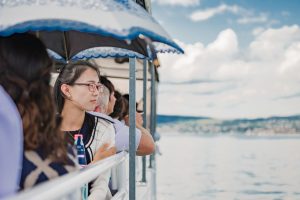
x=242, y=58
x=275, y=12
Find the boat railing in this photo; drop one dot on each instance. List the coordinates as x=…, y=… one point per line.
x=67, y=187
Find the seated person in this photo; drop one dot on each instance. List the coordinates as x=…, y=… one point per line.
x=25, y=76
x=76, y=91
x=117, y=109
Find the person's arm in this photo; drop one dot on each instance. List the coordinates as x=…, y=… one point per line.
x=99, y=189
x=104, y=152
x=146, y=145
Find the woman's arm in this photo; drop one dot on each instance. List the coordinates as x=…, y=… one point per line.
x=104, y=152
x=104, y=140
x=146, y=145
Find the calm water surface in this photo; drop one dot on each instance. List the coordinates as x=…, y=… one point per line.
x=240, y=168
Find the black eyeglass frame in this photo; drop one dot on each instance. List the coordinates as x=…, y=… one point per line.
x=92, y=86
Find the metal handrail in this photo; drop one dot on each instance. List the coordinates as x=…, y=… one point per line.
x=67, y=184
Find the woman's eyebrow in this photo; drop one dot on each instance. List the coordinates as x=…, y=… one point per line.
x=92, y=81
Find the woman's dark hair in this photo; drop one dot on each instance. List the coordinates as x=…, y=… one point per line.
x=125, y=110
x=68, y=75
x=107, y=83
x=120, y=106
x=25, y=75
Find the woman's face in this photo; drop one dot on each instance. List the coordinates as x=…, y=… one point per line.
x=84, y=92
x=111, y=103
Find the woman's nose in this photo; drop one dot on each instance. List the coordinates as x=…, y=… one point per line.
x=95, y=93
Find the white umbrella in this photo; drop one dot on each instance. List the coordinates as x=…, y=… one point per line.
x=120, y=19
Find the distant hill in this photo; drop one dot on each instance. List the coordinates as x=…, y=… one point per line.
x=176, y=118
x=206, y=125
x=274, y=118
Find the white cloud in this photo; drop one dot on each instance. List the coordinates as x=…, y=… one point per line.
x=272, y=43
x=196, y=62
x=202, y=15
x=178, y=2
x=291, y=59
x=226, y=43
x=245, y=16
x=230, y=82
x=262, y=18
x=257, y=31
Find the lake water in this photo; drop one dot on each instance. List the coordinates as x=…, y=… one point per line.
x=228, y=167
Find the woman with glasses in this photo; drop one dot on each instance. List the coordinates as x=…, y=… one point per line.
x=76, y=91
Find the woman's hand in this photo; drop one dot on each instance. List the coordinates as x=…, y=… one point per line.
x=104, y=152
x=139, y=119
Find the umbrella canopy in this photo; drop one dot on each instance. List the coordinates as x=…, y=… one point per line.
x=75, y=45
x=120, y=19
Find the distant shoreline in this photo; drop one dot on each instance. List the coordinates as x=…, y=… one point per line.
x=205, y=125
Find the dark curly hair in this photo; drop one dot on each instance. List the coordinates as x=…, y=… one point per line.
x=25, y=75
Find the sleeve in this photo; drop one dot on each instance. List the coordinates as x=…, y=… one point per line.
x=122, y=137
x=11, y=135
x=105, y=133
x=138, y=135
x=99, y=189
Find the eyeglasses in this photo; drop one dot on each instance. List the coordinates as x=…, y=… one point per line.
x=92, y=86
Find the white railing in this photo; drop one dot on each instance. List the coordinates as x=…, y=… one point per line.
x=68, y=186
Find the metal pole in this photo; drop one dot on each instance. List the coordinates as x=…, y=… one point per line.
x=145, y=113
x=132, y=110
x=152, y=115
x=155, y=108
x=153, y=127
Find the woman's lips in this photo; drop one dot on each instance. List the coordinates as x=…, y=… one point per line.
x=97, y=109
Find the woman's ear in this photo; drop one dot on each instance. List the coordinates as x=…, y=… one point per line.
x=65, y=90
x=111, y=96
